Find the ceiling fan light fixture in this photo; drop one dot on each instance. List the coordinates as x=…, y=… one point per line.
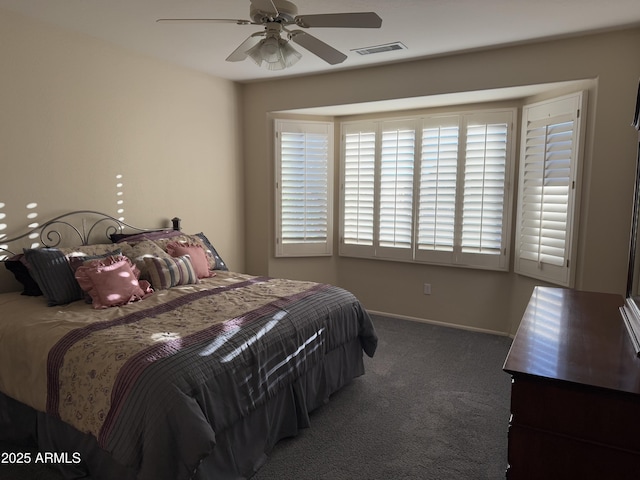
x=275, y=52
x=289, y=55
x=275, y=16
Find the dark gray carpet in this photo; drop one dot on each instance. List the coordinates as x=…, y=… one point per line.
x=433, y=404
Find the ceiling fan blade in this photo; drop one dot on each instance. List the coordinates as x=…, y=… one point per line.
x=240, y=53
x=317, y=47
x=205, y=20
x=340, y=20
x=266, y=6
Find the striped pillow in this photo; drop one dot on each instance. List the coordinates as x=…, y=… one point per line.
x=167, y=272
x=50, y=269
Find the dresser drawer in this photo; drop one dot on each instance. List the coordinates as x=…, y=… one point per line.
x=581, y=412
x=543, y=455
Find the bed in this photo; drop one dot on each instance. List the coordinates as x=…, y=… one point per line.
x=154, y=360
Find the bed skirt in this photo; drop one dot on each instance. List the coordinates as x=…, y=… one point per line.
x=240, y=450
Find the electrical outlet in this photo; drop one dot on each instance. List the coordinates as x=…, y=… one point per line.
x=427, y=289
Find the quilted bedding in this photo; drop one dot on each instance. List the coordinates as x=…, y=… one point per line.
x=170, y=372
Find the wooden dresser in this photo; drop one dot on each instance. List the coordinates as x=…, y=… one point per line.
x=575, y=395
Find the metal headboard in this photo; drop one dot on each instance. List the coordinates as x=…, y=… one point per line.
x=83, y=226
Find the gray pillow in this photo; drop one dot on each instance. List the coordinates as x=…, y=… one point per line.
x=51, y=270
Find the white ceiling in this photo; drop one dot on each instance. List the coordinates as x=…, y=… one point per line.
x=425, y=27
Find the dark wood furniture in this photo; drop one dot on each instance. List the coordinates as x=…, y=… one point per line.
x=575, y=397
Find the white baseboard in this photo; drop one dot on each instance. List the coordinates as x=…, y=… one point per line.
x=442, y=324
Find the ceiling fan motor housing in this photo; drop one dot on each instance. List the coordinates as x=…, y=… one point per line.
x=287, y=11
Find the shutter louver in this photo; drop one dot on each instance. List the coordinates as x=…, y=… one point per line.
x=396, y=188
x=304, y=187
x=484, y=189
x=545, y=196
x=359, y=188
x=438, y=173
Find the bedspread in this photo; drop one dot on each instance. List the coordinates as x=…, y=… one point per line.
x=165, y=376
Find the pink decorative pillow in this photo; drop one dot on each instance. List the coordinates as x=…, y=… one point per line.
x=196, y=254
x=112, y=281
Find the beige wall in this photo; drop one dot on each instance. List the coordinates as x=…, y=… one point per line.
x=75, y=112
x=471, y=298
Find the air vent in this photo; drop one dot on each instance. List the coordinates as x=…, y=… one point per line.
x=387, y=47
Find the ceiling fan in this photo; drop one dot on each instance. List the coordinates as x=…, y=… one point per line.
x=276, y=16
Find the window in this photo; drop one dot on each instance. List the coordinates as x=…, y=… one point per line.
x=429, y=189
x=304, y=166
x=547, y=201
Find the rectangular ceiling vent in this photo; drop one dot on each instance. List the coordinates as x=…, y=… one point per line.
x=387, y=47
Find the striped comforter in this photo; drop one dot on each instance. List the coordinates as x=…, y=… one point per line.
x=166, y=377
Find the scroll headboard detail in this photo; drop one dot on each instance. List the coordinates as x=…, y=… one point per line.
x=80, y=227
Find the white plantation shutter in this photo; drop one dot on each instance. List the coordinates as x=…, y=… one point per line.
x=484, y=223
x=358, y=187
x=437, y=191
x=395, y=220
x=433, y=189
x=463, y=202
x=396, y=186
x=546, y=187
x=547, y=194
x=303, y=208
